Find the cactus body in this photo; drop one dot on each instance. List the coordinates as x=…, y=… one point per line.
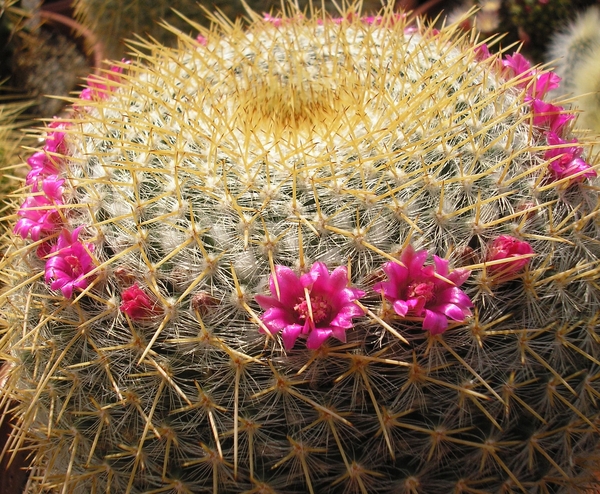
x=115, y=22
x=189, y=197
x=532, y=23
x=576, y=54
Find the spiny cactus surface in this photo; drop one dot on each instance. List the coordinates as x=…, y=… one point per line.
x=309, y=255
x=11, y=139
x=115, y=21
x=576, y=54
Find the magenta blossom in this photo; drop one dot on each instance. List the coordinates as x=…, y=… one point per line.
x=137, y=305
x=328, y=311
x=415, y=290
x=547, y=114
x=517, y=64
x=379, y=20
x=507, y=247
x=38, y=215
x=543, y=83
x=42, y=166
x=482, y=52
x=55, y=140
x=276, y=21
x=69, y=264
x=99, y=87
x=42, y=163
x=567, y=160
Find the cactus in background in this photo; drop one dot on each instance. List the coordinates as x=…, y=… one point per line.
x=113, y=22
x=576, y=54
x=530, y=22
x=309, y=255
x=117, y=21
x=534, y=21
x=37, y=59
x=10, y=141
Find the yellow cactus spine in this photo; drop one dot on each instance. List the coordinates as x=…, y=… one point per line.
x=309, y=254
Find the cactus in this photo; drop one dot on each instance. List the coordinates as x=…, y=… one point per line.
x=115, y=22
x=11, y=122
x=37, y=59
x=576, y=54
x=530, y=22
x=310, y=255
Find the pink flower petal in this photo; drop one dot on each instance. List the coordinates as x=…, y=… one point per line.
x=544, y=83
x=317, y=337
x=69, y=264
x=290, y=334
x=435, y=322
x=517, y=63
x=506, y=247
x=137, y=304
x=549, y=115
x=289, y=288
x=417, y=291
x=330, y=304
x=401, y=307
x=482, y=52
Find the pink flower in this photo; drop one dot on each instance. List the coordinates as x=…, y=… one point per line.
x=371, y=19
x=137, y=305
x=482, y=52
x=328, y=311
x=380, y=20
x=55, y=139
x=517, y=64
x=52, y=187
x=38, y=214
x=41, y=165
x=37, y=218
x=276, y=21
x=547, y=114
x=569, y=162
x=202, y=40
x=507, y=247
x=71, y=261
x=99, y=87
x=543, y=83
x=415, y=290
x=88, y=94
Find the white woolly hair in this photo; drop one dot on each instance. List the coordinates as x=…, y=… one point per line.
x=576, y=55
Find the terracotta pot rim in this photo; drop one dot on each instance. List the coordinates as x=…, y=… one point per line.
x=91, y=42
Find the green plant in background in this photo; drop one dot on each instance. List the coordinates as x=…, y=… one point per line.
x=576, y=54
x=114, y=22
x=308, y=255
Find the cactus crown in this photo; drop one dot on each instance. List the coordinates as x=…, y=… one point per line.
x=311, y=254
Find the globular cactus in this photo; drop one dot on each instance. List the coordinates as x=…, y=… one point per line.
x=116, y=21
x=309, y=255
x=576, y=54
x=11, y=138
x=532, y=23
